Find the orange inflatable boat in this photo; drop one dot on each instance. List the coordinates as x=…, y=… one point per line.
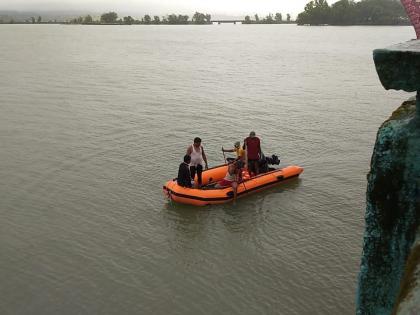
x=203, y=197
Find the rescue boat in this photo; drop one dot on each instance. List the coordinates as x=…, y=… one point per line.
x=209, y=196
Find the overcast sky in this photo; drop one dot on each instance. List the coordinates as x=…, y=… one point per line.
x=160, y=7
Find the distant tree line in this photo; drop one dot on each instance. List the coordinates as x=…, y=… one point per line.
x=269, y=19
x=174, y=19
x=31, y=20
x=349, y=12
x=171, y=19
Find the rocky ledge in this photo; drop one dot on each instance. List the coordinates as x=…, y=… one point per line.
x=392, y=211
x=398, y=66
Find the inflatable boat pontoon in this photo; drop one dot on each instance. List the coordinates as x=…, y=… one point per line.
x=208, y=196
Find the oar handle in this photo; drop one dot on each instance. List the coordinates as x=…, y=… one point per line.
x=224, y=156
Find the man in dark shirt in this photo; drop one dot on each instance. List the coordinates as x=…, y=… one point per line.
x=252, y=146
x=184, y=175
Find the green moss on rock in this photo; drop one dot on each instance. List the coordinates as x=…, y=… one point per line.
x=392, y=211
x=405, y=111
x=409, y=283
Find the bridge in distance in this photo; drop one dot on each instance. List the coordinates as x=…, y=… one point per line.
x=226, y=21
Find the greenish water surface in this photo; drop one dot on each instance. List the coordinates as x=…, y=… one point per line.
x=94, y=120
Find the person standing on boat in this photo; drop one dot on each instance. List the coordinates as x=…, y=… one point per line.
x=184, y=174
x=198, y=158
x=252, y=146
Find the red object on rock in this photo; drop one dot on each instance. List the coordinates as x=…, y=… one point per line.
x=413, y=11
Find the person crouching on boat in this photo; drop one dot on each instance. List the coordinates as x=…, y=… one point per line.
x=184, y=174
x=198, y=158
x=240, y=153
x=232, y=177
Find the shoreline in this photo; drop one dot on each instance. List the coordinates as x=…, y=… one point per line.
x=212, y=23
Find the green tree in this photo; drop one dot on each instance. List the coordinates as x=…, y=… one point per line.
x=128, y=20
x=172, y=19
x=110, y=17
x=200, y=18
x=88, y=19
x=247, y=20
x=343, y=13
x=268, y=19
x=381, y=12
x=78, y=20
x=288, y=17
x=208, y=18
x=156, y=20
x=278, y=18
x=39, y=20
x=183, y=19
x=147, y=19
x=33, y=20
x=257, y=19
x=349, y=12
x=316, y=12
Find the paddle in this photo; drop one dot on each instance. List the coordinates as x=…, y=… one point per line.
x=224, y=156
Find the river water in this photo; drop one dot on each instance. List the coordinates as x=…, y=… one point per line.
x=94, y=120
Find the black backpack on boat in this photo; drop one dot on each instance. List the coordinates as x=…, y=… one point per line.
x=265, y=161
